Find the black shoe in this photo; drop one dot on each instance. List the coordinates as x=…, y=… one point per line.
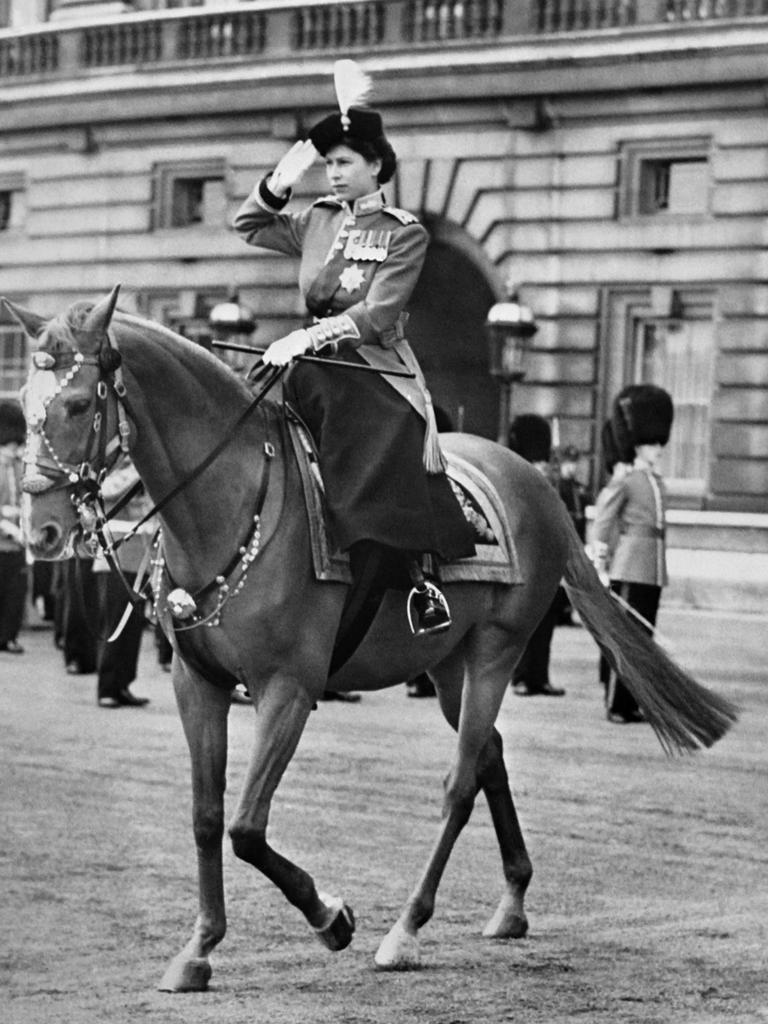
x=74, y=668
x=128, y=700
x=12, y=647
x=522, y=689
x=428, y=610
x=343, y=698
x=624, y=718
x=421, y=686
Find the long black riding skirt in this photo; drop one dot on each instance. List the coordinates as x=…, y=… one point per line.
x=370, y=446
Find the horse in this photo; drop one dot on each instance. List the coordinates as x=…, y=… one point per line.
x=235, y=534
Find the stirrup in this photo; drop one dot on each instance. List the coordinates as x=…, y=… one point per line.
x=428, y=610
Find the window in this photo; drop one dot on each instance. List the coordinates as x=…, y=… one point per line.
x=6, y=198
x=13, y=359
x=190, y=194
x=5, y=13
x=679, y=355
x=12, y=205
x=673, y=186
x=668, y=178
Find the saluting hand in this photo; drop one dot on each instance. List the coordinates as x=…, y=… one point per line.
x=292, y=167
x=282, y=351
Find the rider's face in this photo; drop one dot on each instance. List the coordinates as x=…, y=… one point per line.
x=350, y=175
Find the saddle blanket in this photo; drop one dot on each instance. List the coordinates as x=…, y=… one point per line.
x=495, y=560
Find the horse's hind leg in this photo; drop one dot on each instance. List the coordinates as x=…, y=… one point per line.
x=509, y=921
x=203, y=709
x=471, y=705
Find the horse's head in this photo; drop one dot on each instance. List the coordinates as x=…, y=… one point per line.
x=74, y=431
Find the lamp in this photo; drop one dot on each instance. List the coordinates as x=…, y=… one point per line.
x=231, y=317
x=510, y=325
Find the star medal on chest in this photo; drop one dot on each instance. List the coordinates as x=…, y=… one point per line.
x=351, y=278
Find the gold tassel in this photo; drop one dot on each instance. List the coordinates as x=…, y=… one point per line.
x=434, y=460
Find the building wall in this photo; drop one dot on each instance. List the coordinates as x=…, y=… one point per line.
x=531, y=186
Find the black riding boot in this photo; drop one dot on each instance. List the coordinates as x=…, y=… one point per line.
x=428, y=610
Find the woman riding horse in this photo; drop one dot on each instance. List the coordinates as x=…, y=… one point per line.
x=377, y=442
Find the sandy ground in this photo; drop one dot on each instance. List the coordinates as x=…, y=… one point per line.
x=649, y=900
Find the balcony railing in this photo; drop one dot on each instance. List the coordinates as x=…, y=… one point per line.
x=275, y=29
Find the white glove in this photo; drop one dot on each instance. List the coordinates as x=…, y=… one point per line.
x=292, y=167
x=599, y=557
x=282, y=351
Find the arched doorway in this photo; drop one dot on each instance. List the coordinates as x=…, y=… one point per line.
x=448, y=310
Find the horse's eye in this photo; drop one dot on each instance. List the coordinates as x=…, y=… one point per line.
x=78, y=406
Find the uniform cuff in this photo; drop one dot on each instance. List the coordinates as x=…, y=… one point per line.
x=268, y=199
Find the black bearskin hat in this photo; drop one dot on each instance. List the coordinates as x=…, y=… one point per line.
x=612, y=451
x=531, y=436
x=642, y=414
x=13, y=427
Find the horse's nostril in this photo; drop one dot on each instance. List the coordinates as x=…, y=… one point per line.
x=51, y=534
x=46, y=538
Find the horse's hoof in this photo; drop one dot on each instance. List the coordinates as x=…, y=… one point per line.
x=506, y=925
x=399, y=951
x=186, y=975
x=337, y=934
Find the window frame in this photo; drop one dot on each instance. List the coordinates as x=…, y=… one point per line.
x=165, y=177
x=636, y=155
x=624, y=309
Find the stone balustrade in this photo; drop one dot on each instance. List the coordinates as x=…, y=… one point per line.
x=274, y=29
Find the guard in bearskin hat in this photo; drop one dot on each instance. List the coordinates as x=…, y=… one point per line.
x=13, y=562
x=360, y=259
x=531, y=437
x=630, y=521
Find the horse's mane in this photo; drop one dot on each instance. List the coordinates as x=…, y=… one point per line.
x=218, y=379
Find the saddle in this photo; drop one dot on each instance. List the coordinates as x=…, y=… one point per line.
x=495, y=559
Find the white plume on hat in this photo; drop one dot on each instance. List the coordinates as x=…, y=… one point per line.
x=353, y=87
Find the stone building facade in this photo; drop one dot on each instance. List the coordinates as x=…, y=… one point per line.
x=608, y=158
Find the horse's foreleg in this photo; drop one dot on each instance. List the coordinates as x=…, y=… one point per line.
x=281, y=713
x=480, y=699
x=203, y=709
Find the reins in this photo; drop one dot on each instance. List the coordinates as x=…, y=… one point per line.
x=271, y=374
x=267, y=376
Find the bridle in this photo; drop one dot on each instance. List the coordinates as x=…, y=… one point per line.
x=44, y=471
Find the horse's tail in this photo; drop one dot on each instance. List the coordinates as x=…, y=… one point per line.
x=684, y=714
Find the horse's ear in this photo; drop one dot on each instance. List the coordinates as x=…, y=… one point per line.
x=98, y=319
x=32, y=323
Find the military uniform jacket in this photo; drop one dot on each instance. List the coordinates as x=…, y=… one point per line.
x=363, y=260
x=630, y=519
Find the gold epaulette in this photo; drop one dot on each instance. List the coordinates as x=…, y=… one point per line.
x=402, y=215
